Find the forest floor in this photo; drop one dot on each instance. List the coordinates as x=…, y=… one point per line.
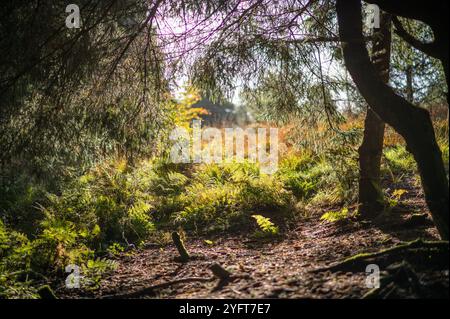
x=277, y=269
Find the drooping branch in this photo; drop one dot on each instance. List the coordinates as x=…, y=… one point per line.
x=147, y=22
x=321, y=39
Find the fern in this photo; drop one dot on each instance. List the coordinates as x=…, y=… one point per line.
x=335, y=216
x=267, y=228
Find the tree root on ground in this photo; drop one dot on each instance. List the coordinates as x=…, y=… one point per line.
x=150, y=290
x=402, y=281
x=416, y=269
x=434, y=254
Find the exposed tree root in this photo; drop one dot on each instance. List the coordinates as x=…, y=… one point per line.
x=426, y=253
x=45, y=292
x=402, y=281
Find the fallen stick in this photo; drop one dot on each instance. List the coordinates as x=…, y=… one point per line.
x=184, y=255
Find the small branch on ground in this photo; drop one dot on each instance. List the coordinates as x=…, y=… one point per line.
x=184, y=255
x=220, y=272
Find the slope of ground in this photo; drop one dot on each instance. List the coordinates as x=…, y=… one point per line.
x=277, y=269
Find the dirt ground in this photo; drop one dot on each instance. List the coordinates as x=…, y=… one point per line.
x=280, y=269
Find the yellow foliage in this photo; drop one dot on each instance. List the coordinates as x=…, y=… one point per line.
x=184, y=112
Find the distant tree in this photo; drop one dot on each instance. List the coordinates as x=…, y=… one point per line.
x=415, y=75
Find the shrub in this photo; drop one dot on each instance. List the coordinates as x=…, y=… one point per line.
x=18, y=196
x=223, y=196
x=399, y=161
x=395, y=197
x=113, y=198
x=24, y=262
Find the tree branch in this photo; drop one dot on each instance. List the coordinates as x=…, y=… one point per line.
x=412, y=122
x=427, y=48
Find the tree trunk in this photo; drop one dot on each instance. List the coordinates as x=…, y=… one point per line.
x=371, y=197
x=410, y=121
x=434, y=14
x=409, y=84
x=370, y=193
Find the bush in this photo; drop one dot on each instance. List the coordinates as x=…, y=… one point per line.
x=15, y=265
x=225, y=196
x=24, y=263
x=293, y=174
x=113, y=198
x=18, y=197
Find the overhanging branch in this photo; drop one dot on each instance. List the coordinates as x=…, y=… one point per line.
x=427, y=48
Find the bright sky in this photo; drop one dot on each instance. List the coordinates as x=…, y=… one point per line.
x=184, y=38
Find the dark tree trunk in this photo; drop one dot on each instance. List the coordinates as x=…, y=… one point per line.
x=409, y=84
x=410, y=121
x=370, y=193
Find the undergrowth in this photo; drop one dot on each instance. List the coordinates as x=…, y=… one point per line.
x=115, y=206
